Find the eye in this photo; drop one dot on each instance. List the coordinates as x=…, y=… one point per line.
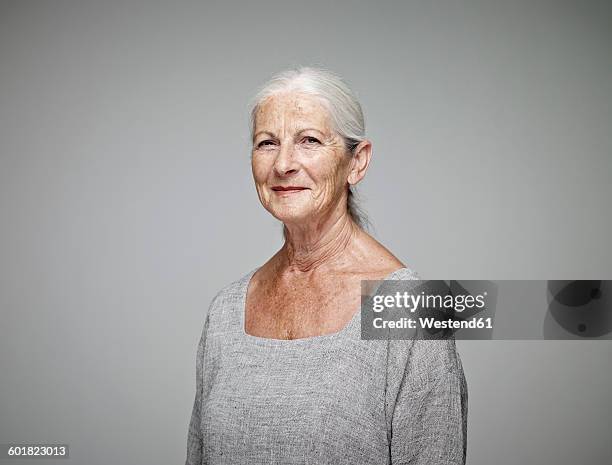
x=264, y=143
x=311, y=140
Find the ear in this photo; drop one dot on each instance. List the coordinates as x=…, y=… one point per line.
x=360, y=161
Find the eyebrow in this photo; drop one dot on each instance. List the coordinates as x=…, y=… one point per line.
x=264, y=132
x=299, y=132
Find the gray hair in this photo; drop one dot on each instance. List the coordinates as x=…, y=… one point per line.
x=342, y=105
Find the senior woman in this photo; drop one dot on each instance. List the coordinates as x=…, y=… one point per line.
x=282, y=374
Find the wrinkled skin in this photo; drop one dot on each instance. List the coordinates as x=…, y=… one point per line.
x=294, y=145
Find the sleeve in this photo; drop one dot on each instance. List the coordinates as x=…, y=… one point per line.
x=429, y=419
x=194, y=437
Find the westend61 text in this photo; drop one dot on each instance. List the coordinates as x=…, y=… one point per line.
x=432, y=323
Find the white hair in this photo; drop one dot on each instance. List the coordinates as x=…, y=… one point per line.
x=339, y=100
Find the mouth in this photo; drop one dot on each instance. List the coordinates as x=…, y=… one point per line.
x=288, y=189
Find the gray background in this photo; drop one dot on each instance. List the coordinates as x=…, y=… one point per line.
x=126, y=198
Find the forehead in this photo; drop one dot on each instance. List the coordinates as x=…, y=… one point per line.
x=293, y=109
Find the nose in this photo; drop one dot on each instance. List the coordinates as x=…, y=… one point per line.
x=285, y=162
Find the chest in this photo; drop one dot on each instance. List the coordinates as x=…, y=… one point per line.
x=294, y=310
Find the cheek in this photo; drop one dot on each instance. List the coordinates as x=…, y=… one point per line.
x=330, y=177
x=260, y=168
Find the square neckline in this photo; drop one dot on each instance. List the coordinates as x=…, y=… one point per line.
x=302, y=340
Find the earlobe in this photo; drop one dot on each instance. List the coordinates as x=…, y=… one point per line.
x=353, y=177
x=357, y=173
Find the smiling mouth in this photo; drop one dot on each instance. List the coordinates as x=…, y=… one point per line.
x=288, y=189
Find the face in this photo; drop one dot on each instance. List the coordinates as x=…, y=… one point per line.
x=300, y=165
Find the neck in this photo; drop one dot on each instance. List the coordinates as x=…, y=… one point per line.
x=312, y=247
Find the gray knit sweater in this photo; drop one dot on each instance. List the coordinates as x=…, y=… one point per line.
x=331, y=399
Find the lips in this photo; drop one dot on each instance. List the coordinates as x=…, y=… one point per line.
x=288, y=188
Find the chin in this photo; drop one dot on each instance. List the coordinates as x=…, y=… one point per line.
x=288, y=214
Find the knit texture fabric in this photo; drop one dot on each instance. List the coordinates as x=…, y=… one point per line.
x=331, y=399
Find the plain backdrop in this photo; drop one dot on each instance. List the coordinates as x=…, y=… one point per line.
x=126, y=198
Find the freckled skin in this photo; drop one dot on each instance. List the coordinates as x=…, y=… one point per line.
x=285, y=154
x=311, y=286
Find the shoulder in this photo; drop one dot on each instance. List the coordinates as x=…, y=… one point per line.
x=423, y=359
x=228, y=297
x=406, y=273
